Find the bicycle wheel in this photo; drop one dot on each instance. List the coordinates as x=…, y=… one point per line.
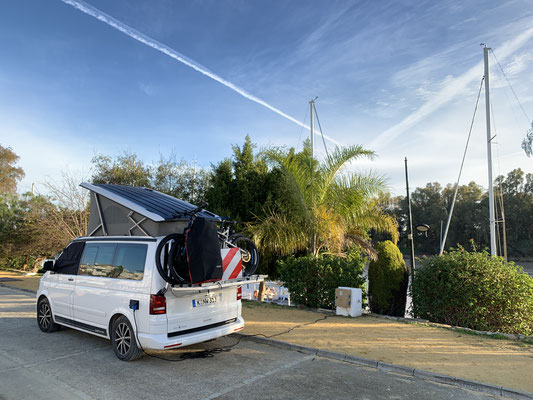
x=177, y=261
x=167, y=258
x=249, y=253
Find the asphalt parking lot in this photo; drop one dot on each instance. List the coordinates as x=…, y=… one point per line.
x=69, y=364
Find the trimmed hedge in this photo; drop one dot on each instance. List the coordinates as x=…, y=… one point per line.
x=474, y=290
x=312, y=281
x=387, y=281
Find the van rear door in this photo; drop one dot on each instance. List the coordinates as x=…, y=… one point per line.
x=205, y=306
x=189, y=311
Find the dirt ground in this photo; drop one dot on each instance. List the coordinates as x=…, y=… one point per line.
x=30, y=282
x=499, y=362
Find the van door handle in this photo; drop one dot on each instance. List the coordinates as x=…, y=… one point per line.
x=70, y=279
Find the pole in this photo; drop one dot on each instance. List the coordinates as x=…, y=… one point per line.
x=503, y=227
x=492, y=218
x=410, y=235
x=312, y=117
x=440, y=237
x=443, y=240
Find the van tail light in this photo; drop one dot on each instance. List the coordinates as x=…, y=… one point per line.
x=158, y=304
x=239, y=293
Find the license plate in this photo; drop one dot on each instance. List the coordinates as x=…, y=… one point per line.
x=204, y=301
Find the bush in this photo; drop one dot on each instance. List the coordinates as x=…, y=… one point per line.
x=387, y=281
x=312, y=281
x=474, y=290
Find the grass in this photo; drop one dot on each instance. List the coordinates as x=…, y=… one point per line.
x=497, y=336
x=262, y=304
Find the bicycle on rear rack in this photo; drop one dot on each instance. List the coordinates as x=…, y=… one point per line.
x=171, y=253
x=228, y=239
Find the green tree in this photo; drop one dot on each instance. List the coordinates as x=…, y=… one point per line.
x=27, y=231
x=431, y=204
x=470, y=221
x=528, y=185
x=518, y=210
x=469, y=215
x=10, y=175
x=243, y=187
x=12, y=215
x=387, y=281
x=428, y=207
x=175, y=178
x=181, y=179
x=513, y=183
x=126, y=169
x=325, y=209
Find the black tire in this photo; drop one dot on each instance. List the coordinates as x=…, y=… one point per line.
x=249, y=253
x=45, y=319
x=177, y=261
x=163, y=268
x=124, y=341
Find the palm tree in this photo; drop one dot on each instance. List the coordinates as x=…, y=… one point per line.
x=325, y=209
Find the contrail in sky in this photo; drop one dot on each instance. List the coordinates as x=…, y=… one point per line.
x=448, y=93
x=141, y=37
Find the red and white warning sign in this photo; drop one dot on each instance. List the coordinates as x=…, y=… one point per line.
x=231, y=263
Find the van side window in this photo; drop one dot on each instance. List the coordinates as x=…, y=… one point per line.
x=130, y=259
x=121, y=261
x=69, y=260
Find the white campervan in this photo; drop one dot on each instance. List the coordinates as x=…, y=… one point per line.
x=110, y=287
x=154, y=272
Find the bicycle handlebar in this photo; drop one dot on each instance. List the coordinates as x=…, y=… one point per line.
x=197, y=209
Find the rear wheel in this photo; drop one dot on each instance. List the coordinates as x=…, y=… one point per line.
x=45, y=320
x=249, y=253
x=166, y=259
x=124, y=341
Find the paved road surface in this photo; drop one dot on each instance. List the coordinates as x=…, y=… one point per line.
x=73, y=365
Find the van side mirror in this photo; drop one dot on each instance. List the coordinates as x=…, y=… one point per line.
x=48, y=265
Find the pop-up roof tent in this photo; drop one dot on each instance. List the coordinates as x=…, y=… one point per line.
x=118, y=210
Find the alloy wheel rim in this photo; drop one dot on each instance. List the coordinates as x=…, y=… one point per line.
x=45, y=316
x=123, y=338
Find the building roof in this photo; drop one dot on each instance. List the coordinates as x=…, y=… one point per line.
x=149, y=203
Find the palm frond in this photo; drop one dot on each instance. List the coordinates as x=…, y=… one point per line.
x=278, y=234
x=325, y=210
x=336, y=161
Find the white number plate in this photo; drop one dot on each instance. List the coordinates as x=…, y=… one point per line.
x=205, y=301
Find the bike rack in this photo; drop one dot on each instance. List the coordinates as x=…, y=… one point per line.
x=212, y=286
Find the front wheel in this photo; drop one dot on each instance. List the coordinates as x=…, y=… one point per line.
x=123, y=340
x=45, y=320
x=249, y=253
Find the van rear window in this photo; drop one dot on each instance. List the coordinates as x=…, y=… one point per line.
x=120, y=261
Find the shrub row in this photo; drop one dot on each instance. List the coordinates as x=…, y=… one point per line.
x=474, y=290
x=312, y=281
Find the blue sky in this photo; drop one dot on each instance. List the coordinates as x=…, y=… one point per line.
x=400, y=78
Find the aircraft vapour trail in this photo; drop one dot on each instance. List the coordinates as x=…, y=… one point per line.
x=454, y=88
x=141, y=37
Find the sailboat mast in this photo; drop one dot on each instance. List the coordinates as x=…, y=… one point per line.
x=492, y=218
x=312, y=119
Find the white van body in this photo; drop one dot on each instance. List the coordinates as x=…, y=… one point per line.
x=91, y=300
